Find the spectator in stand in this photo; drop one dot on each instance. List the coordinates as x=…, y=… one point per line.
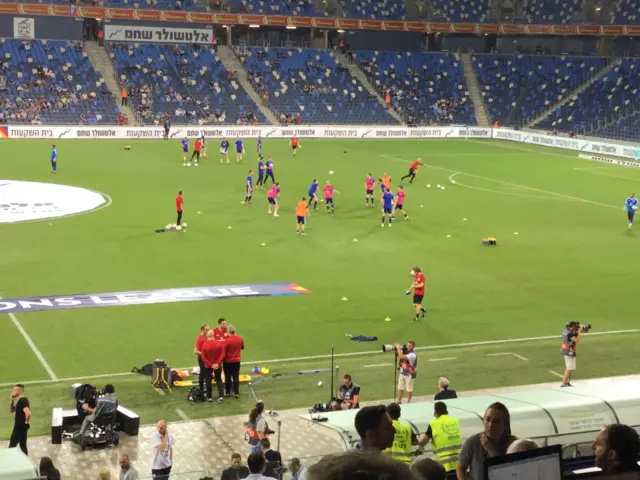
x=257, y=465
x=375, y=428
x=273, y=458
x=444, y=392
x=617, y=448
x=231, y=363
x=298, y=471
x=124, y=97
x=429, y=469
x=48, y=470
x=522, y=445
x=127, y=472
x=492, y=442
x=356, y=465
x=236, y=471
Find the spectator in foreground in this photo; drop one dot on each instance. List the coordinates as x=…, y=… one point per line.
x=273, y=458
x=444, y=393
x=257, y=465
x=375, y=428
x=359, y=465
x=236, y=471
x=104, y=474
x=162, y=443
x=48, y=470
x=617, y=448
x=522, y=445
x=127, y=472
x=298, y=471
x=492, y=442
x=429, y=469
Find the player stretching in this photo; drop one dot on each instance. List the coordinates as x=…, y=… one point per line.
x=413, y=169
x=54, y=159
x=418, y=292
x=203, y=146
x=179, y=207
x=387, y=207
x=301, y=215
x=631, y=205
x=196, y=153
x=260, y=182
x=269, y=170
x=328, y=197
x=259, y=146
x=224, y=150
x=399, y=203
x=312, y=194
x=369, y=185
x=247, y=199
x=185, y=151
x=294, y=145
x=272, y=197
x=239, y=150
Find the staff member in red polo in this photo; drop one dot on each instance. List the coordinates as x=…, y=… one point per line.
x=418, y=292
x=179, y=207
x=233, y=352
x=198, y=352
x=221, y=332
x=212, y=356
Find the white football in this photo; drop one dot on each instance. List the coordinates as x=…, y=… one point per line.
x=184, y=225
x=319, y=383
x=178, y=227
x=428, y=185
x=438, y=186
x=442, y=188
x=412, y=273
x=635, y=207
x=330, y=172
x=168, y=227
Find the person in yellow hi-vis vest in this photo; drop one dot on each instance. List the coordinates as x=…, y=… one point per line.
x=444, y=432
x=404, y=438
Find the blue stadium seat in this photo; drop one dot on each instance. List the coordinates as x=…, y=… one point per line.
x=374, y=9
x=186, y=5
x=463, y=11
x=294, y=8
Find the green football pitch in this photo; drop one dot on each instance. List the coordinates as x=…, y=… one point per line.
x=495, y=314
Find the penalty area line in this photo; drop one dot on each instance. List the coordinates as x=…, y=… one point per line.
x=349, y=354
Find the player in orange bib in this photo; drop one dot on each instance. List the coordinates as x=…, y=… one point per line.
x=386, y=180
x=294, y=145
x=301, y=215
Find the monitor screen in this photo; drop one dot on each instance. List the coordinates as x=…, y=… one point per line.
x=540, y=464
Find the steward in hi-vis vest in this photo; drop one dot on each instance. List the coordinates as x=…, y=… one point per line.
x=446, y=437
x=404, y=438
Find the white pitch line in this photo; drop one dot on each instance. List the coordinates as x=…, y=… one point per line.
x=553, y=372
x=350, y=354
x=182, y=415
x=521, y=195
x=591, y=170
x=378, y=365
x=524, y=359
x=510, y=184
x=441, y=359
x=33, y=347
x=504, y=354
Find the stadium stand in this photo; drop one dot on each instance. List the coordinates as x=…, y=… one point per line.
x=608, y=107
x=374, y=9
x=51, y=82
x=425, y=88
x=188, y=83
x=187, y=5
x=626, y=12
x=312, y=86
x=295, y=8
x=551, y=11
x=468, y=11
x=516, y=88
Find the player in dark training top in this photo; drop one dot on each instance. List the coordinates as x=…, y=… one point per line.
x=247, y=199
x=260, y=182
x=185, y=150
x=312, y=194
x=239, y=150
x=224, y=150
x=54, y=159
x=387, y=207
x=259, y=146
x=269, y=171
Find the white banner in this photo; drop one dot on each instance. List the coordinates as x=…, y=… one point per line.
x=585, y=146
x=357, y=131
x=128, y=33
x=24, y=28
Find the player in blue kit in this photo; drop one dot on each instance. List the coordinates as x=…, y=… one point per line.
x=239, y=150
x=247, y=199
x=224, y=150
x=260, y=182
x=185, y=149
x=259, y=146
x=54, y=159
x=387, y=207
x=312, y=194
x=269, y=171
x=631, y=205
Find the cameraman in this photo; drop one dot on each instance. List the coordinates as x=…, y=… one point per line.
x=348, y=396
x=407, y=369
x=106, y=404
x=570, y=340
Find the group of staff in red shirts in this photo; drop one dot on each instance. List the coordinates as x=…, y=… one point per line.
x=219, y=351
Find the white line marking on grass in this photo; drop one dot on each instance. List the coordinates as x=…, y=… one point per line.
x=553, y=372
x=51, y=219
x=524, y=359
x=160, y=392
x=378, y=365
x=504, y=354
x=37, y=353
x=511, y=184
x=182, y=415
x=593, y=171
x=351, y=354
x=441, y=359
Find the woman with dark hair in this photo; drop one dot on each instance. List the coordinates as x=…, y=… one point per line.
x=257, y=428
x=493, y=441
x=47, y=469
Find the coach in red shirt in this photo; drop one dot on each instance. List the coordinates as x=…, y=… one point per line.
x=233, y=352
x=197, y=350
x=212, y=355
x=221, y=332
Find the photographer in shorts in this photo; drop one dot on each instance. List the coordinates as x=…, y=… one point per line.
x=407, y=366
x=570, y=339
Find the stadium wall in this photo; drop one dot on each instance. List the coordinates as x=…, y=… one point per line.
x=40, y=27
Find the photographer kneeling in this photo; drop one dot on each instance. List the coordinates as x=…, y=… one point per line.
x=348, y=395
x=107, y=403
x=570, y=340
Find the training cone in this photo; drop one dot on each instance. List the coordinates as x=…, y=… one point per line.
x=387, y=319
x=230, y=227
x=464, y=219
x=255, y=370
x=355, y=239
x=264, y=371
x=344, y=299
x=263, y=244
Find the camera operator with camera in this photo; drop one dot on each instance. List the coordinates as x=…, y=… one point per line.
x=407, y=366
x=106, y=404
x=570, y=339
x=348, y=395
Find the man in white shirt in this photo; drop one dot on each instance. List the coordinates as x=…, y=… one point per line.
x=257, y=465
x=298, y=472
x=162, y=443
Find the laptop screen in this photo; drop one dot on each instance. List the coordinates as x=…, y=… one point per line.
x=539, y=467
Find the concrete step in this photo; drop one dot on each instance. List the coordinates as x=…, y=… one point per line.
x=473, y=88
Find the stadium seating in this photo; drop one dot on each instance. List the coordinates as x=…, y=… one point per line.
x=187, y=83
x=552, y=11
x=468, y=11
x=626, y=12
x=374, y=9
x=612, y=99
x=296, y=8
x=187, y=5
x=516, y=88
x=312, y=84
x=429, y=87
x=51, y=82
